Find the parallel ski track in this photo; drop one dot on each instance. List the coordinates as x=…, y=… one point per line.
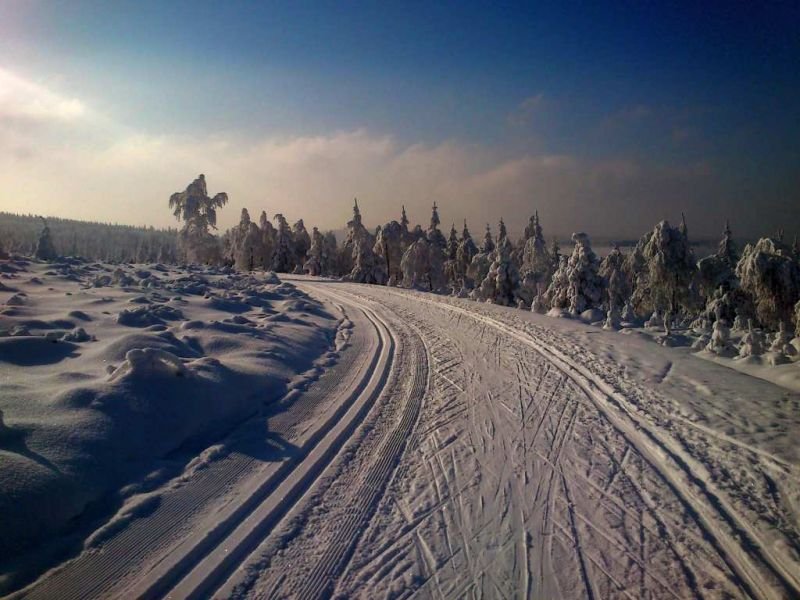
x=243, y=537
x=737, y=543
x=321, y=580
x=99, y=573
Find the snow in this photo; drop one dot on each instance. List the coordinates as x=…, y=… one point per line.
x=418, y=445
x=101, y=383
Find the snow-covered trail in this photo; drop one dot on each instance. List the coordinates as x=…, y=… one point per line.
x=538, y=471
x=463, y=450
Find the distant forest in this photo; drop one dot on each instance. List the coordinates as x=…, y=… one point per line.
x=96, y=241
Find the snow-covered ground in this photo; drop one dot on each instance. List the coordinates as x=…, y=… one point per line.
x=113, y=375
x=437, y=448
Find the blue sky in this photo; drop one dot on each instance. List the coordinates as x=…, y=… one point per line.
x=576, y=109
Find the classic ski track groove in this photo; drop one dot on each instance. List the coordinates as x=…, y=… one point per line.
x=321, y=578
x=214, y=567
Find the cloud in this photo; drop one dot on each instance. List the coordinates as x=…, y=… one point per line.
x=87, y=168
x=24, y=99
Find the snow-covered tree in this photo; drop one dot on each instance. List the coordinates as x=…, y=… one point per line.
x=662, y=269
x=720, y=342
x=466, y=251
x=313, y=266
x=488, y=244
x=268, y=235
x=752, y=342
x=367, y=267
x=537, y=263
x=612, y=271
x=389, y=248
x=302, y=242
x=719, y=269
x=501, y=231
x=283, y=256
x=357, y=234
x=330, y=255
x=45, y=250
x=435, y=236
x=422, y=266
x=769, y=272
x=246, y=244
x=577, y=285
x=198, y=212
x=501, y=284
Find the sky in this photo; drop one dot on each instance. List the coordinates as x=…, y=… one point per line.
x=606, y=118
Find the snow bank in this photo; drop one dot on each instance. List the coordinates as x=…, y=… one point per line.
x=100, y=383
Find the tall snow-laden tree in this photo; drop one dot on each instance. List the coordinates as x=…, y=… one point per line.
x=284, y=255
x=45, y=250
x=268, y=235
x=719, y=269
x=302, y=242
x=488, y=244
x=422, y=266
x=356, y=234
x=612, y=271
x=313, y=265
x=367, y=267
x=769, y=272
x=246, y=244
x=501, y=284
x=537, y=265
x=577, y=284
x=198, y=212
x=662, y=269
x=389, y=248
x=330, y=255
x=466, y=251
x=435, y=236
x=501, y=231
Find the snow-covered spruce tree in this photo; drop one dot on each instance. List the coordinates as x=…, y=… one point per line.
x=198, y=212
x=501, y=284
x=330, y=255
x=451, y=269
x=481, y=262
x=367, y=267
x=435, y=236
x=720, y=342
x=356, y=233
x=537, y=263
x=302, y=242
x=577, y=285
x=389, y=249
x=465, y=252
x=268, y=235
x=611, y=270
x=719, y=269
x=313, y=265
x=661, y=269
x=246, y=239
x=488, y=244
x=283, y=256
x=719, y=285
x=45, y=250
x=769, y=272
x=422, y=266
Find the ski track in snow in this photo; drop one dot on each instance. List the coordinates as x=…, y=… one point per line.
x=459, y=450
